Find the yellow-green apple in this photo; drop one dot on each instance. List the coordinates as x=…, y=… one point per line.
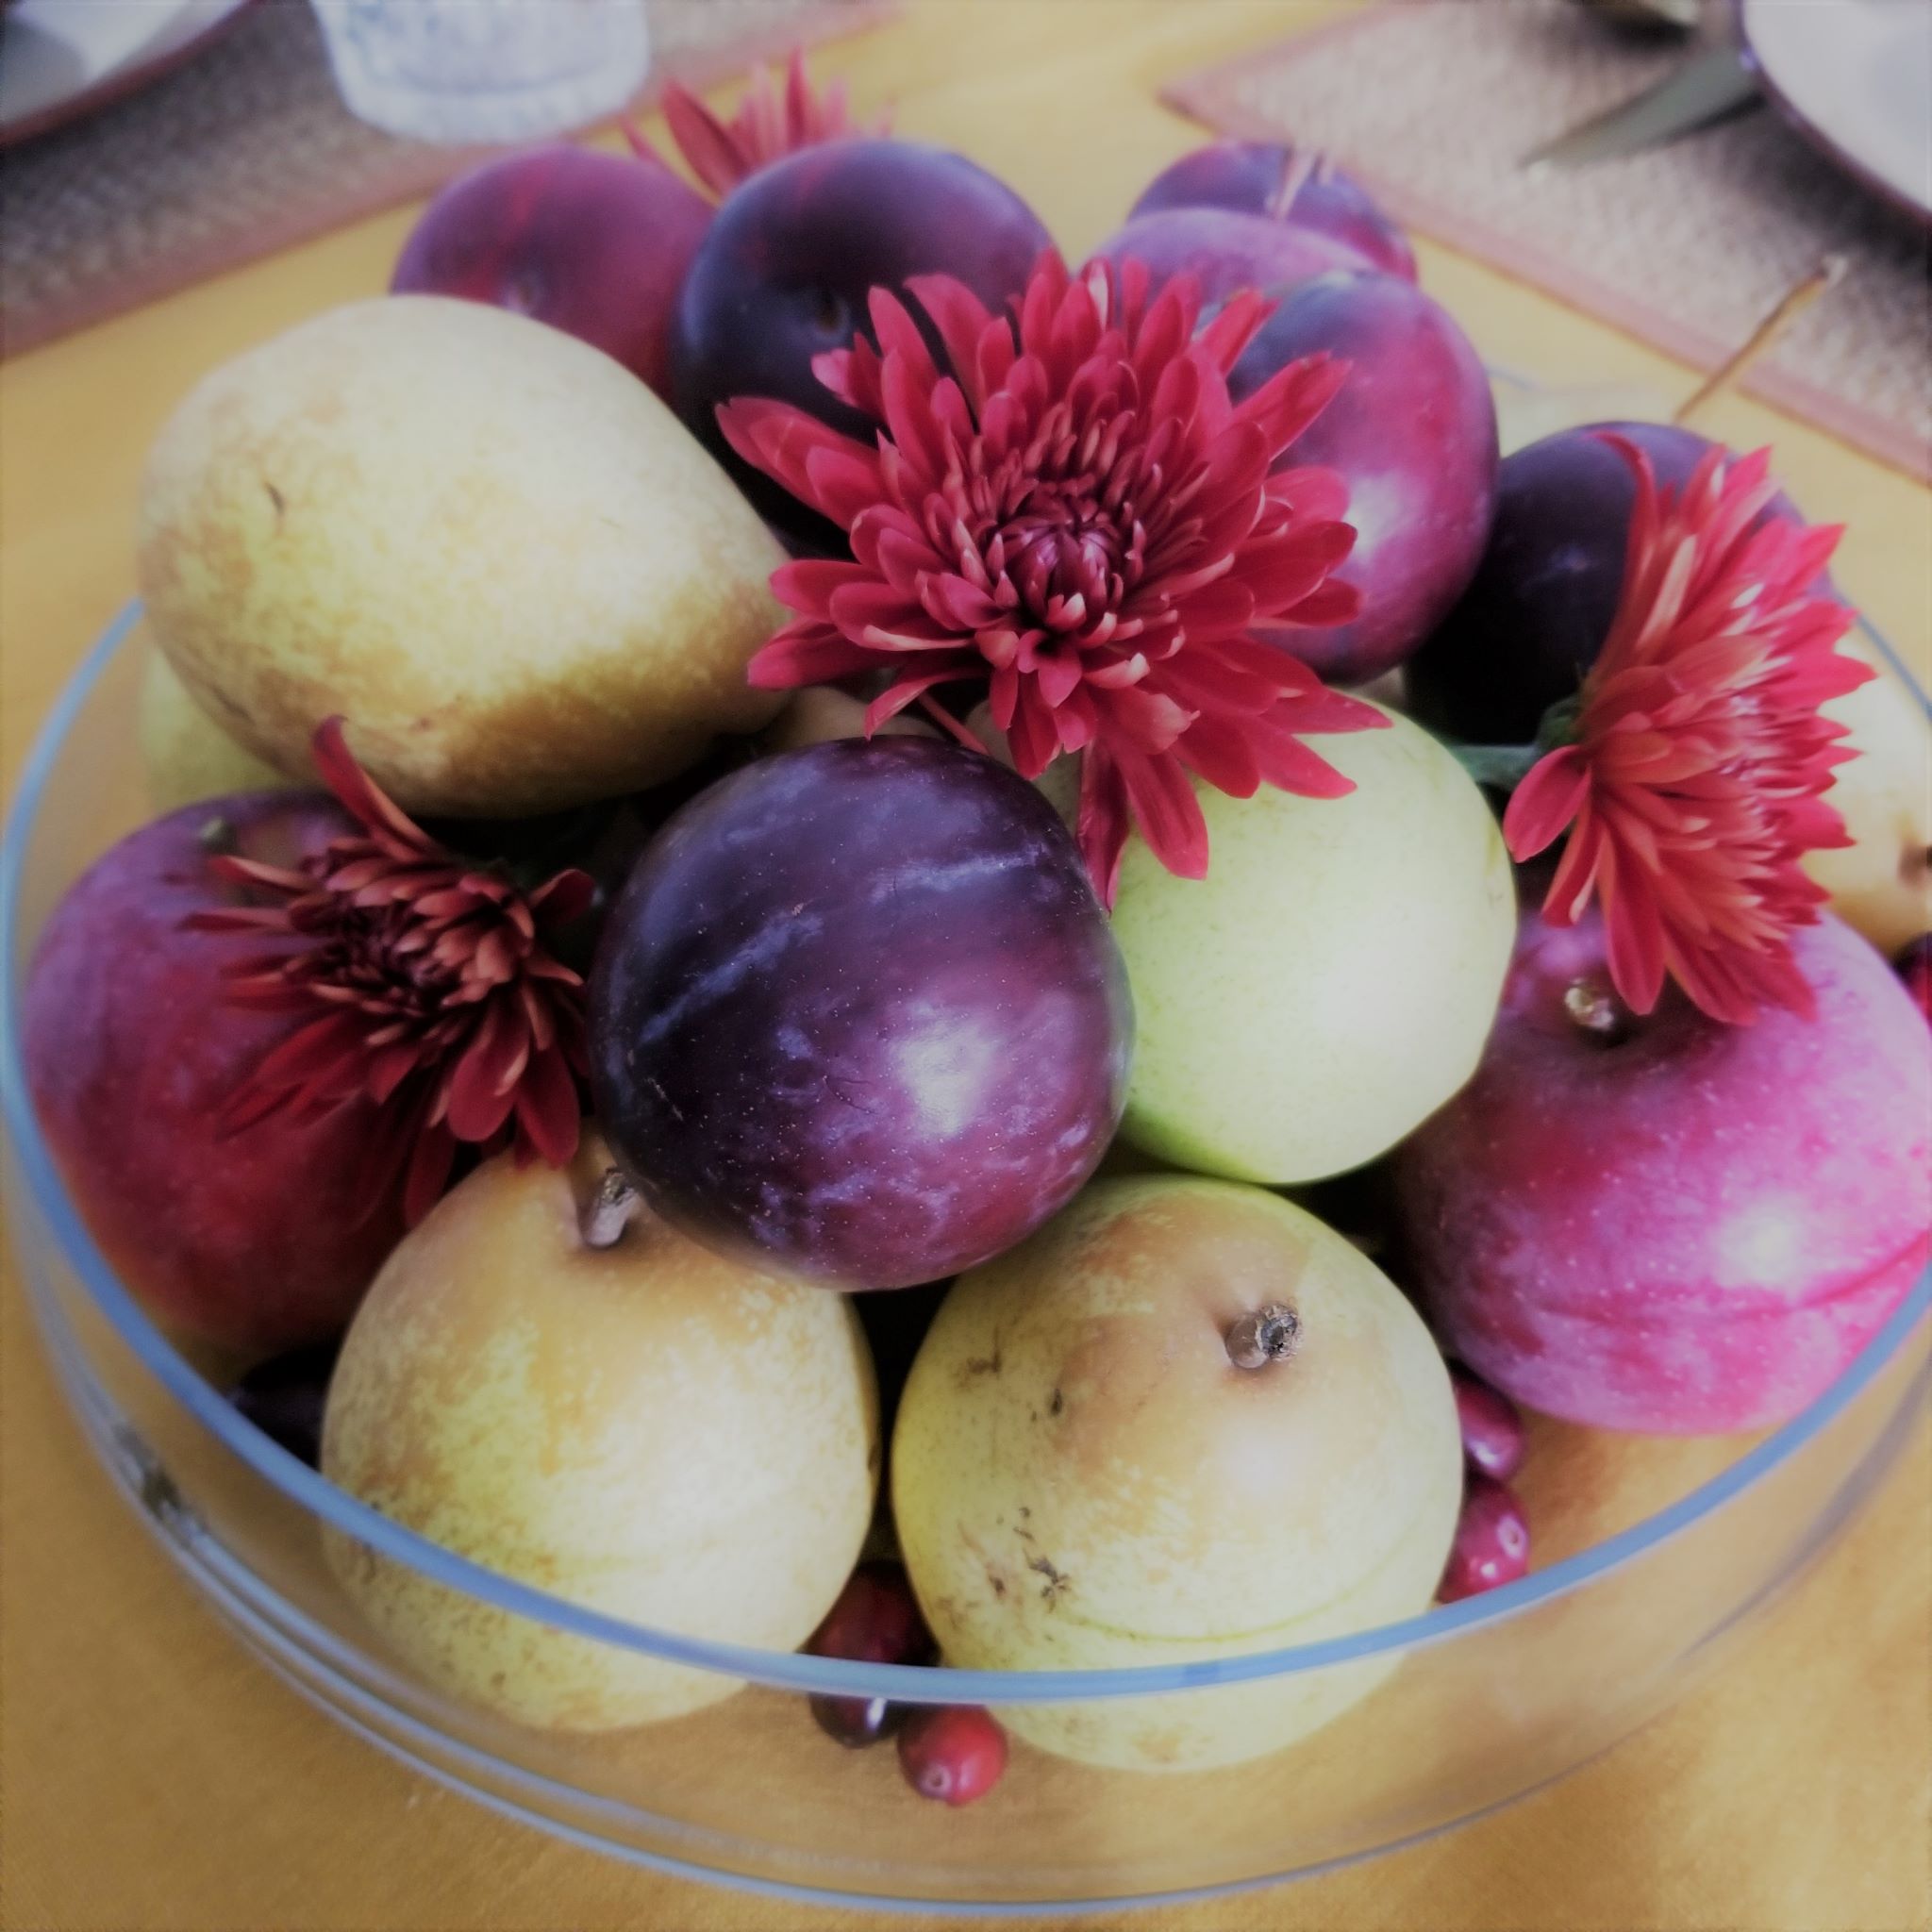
x=1183, y=1420
x=482, y=543
x=1330, y=982
x=632, y=1424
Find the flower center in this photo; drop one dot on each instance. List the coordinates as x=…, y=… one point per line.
x=379, y=955
x=1060, y=550
x=1059, y=521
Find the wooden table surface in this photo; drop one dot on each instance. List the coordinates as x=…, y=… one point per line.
x=152, y=1777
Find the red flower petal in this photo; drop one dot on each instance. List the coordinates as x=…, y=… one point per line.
x=1546, y=802
x=807, y=653
x=1067, y=501
x=766, y=127
x=423, y=981
x=1166, y=811
x=549, y=1115
x=1695, y=785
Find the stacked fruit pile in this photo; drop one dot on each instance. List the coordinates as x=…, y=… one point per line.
x=724, y=1012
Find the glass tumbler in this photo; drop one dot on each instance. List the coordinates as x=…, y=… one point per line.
x=485, y=70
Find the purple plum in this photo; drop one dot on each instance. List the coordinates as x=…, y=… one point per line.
x=594, y=244
x=1413, y=433
x=1538, y=607
x=858, y=1014
x=1226, y=251
x=1272, y=178
x=784, y=274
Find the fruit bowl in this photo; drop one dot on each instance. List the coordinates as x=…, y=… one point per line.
x=1653, y=1552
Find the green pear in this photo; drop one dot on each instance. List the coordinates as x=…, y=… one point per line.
x=1184, y=1421
x=481, y=542
x=641, y=1427
x=187, y=755
x=1331, y=981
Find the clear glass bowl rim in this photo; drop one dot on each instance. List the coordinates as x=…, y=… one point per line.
x=336, y=1509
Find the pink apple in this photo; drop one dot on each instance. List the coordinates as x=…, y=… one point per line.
x=1668, y=1224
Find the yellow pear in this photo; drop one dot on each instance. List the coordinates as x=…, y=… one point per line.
x=644, y=1428
x=481, y=542
x=1881, y=884
x=1184, y=1421
x=186, y=754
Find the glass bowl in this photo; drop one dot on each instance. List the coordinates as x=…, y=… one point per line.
x=1654, y=1553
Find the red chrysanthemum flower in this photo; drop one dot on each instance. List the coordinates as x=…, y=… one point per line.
x=1076, y=514
x=1691, y=788
x=431, y=988
x=767, y=125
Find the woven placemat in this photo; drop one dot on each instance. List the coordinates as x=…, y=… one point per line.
x=1433, y=103
x=247, y=148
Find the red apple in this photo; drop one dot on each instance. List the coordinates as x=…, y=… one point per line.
x=259, y=1241
x=1413, y=434
x=1226, y=250
x=594, y=244
x=1273, y=178
x=1664, y=1223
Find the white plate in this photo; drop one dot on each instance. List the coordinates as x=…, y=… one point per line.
x=60, y=59
x=1856, y=75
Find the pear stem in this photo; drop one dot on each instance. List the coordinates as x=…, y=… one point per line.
x=608, y=1212
x=1266, y=1335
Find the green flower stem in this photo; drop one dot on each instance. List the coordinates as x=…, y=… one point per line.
x=1501, y=767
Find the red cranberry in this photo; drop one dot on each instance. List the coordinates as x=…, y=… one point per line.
x=1492, y=1426
x=1492, y=1545
x=875, y=1621
x=952, y=1752
x=1915, y=969
x=284, y=1397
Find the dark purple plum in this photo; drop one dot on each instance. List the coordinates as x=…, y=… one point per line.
x=784, y=269
x=594, y=244
x=1413, y=433
x=1538, y=607
x=1272, y=178
x=1226, y=251
x=858, y=1014
x=284, y=1398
